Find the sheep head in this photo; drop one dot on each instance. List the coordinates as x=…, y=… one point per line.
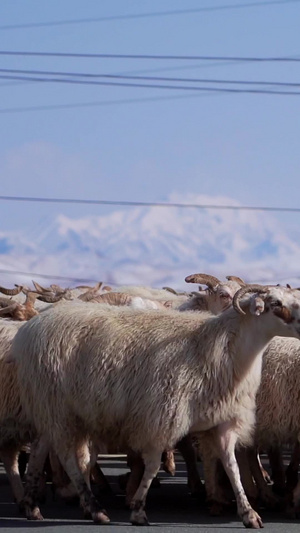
x=269, y=300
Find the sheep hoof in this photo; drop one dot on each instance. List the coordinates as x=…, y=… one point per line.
x=139, y=518
x=100, y=517
x=251, y=519
x=34, y=514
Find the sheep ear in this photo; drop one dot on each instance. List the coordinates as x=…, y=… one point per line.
x=257, y=305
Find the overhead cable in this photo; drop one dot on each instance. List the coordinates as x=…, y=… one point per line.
x=153, y=56
x=92, y=75
x=129, y=16
x=148, y=85
x=146, y=204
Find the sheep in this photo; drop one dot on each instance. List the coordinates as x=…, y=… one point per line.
x=277, y=423
x=146, y=379
x=278, y=405
x=215, y=299
x=14, y=429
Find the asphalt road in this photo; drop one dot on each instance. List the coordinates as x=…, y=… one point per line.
x=170, y=509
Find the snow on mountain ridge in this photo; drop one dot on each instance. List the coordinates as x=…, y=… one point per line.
x=158, y=245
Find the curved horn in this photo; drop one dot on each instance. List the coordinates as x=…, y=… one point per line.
x=210, y=281
x=57, y=288
x=39, y=288
x=90, y=293
x=170, y=290
x=240, y=293
x=11, y=292
x=49, y=298
x=240, y=281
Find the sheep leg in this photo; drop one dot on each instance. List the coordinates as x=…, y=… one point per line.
x=226, y=440
x=246, y=474
x=216, y=480
x=152, y=461
x=216, y=498
x=265, y=492
x=39, y=451
x=188, y=452
x=264, y=472
x=97, y=475
x=277, y=469
x=61, y=484
x=136, y=465
x=76, y=462
x=10, y=461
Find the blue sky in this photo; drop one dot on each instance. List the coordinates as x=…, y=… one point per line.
x=142, y=144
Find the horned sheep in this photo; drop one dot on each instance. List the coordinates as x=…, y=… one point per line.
x=71, y=359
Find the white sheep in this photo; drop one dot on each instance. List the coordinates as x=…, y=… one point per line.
x=146, y=379
x=14, y=430
x=277, y=424
x=278, y=405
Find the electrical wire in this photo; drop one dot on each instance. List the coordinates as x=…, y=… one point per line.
x=152, y=56
x=150, y=85
x=148, y=78
x=146, y=204
x=108, y=18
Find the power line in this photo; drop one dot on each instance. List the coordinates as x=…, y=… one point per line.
x=148, y=78
x=150, y=85
x=151, y=56
x=261, y=3
x=123, y=101
x=146, y=204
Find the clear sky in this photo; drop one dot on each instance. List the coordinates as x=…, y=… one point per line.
x=141, y=143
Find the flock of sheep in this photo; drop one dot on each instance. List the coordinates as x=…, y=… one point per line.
x=146, y=371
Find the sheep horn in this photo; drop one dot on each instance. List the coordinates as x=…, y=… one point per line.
x=210, y=281
x=90, y=293
x=57, y=288
x=237, y=279
x=11, y=292
x=240, y=293
x=39, y=288
x=49, y=298
x=170, y=290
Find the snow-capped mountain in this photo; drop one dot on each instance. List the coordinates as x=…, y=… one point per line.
x=157, y=245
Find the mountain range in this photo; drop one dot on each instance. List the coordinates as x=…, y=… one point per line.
x=155, y=246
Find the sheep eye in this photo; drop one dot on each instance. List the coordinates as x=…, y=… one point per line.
x=277, y=303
